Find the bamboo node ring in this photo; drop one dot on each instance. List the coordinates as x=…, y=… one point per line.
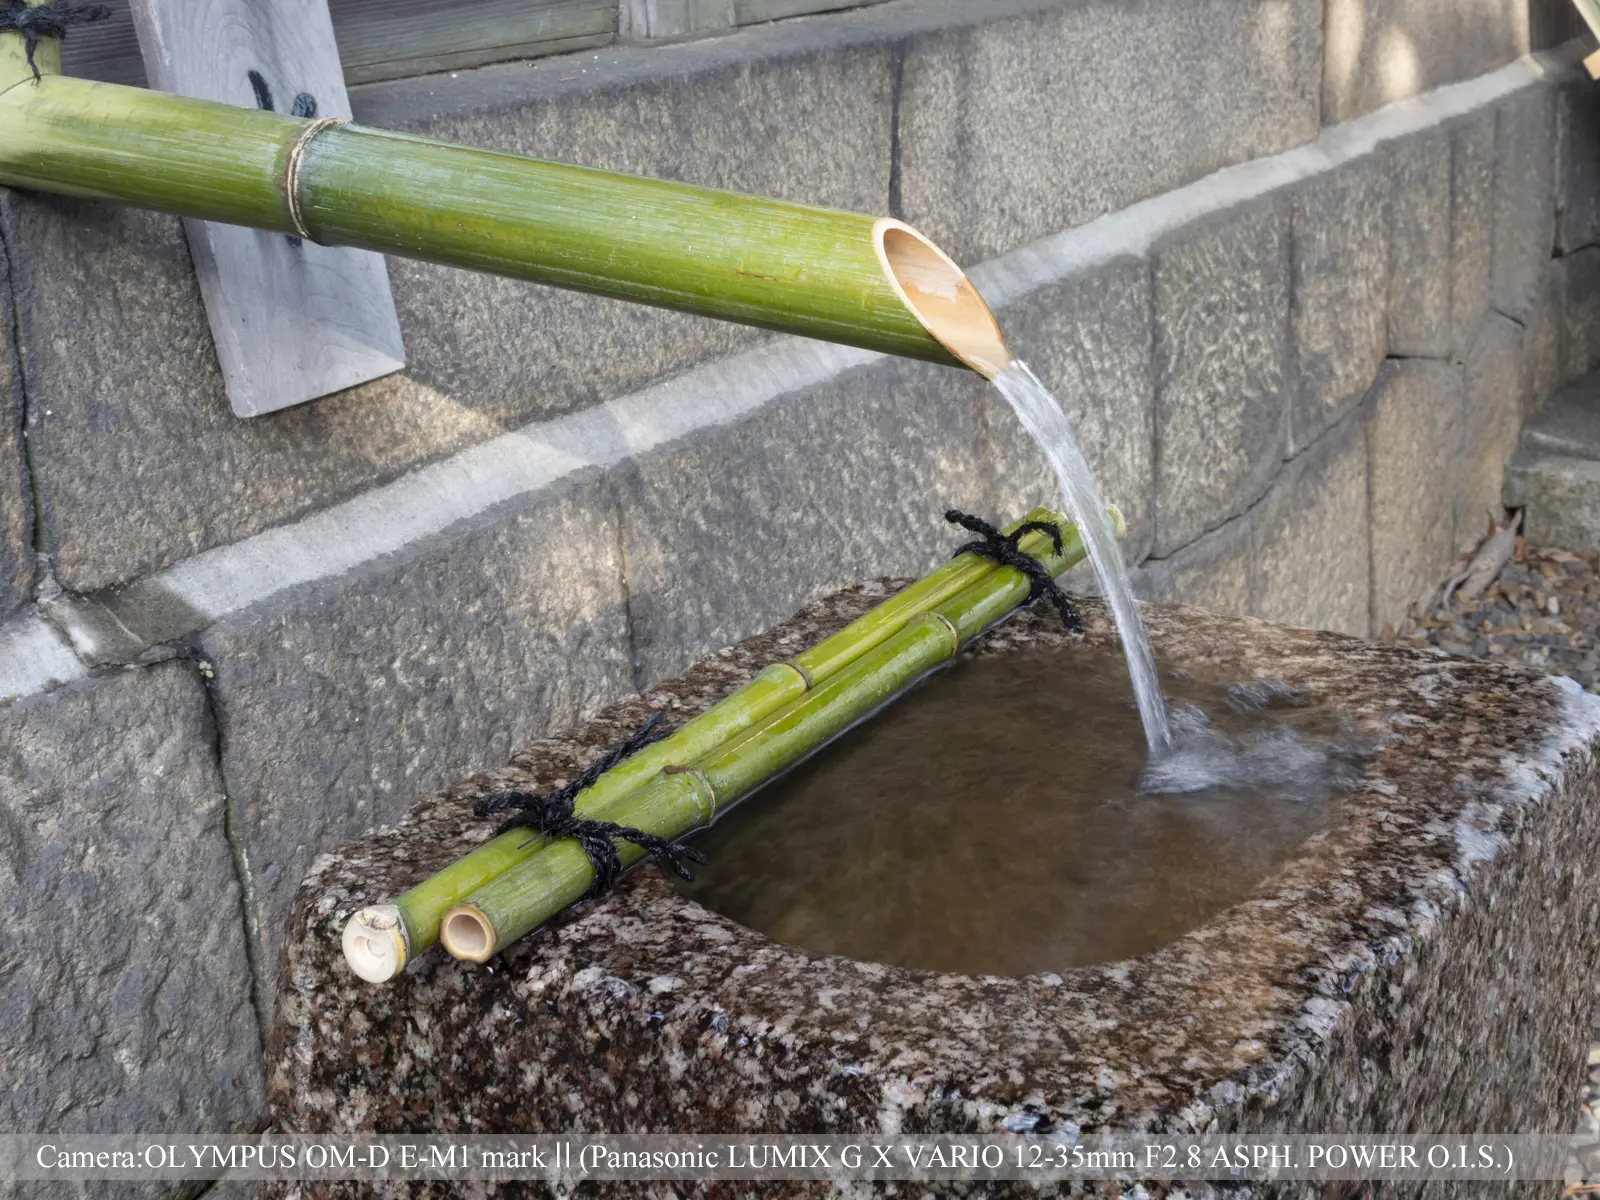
x=805, y=675
x=947, y=627
x=291, y=171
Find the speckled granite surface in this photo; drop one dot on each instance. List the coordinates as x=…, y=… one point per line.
x=1413, y=969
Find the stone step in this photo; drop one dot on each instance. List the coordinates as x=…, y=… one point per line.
x=1555, y=474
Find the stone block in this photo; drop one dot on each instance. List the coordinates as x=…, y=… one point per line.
x=1524, y=199
x=1559, y=496
x=1547, y=338
x=1493, y=403
x=1222, y=305
x=125, y=996
x=1310, y=558
x=16, y=498
x=1022, y=126
x=1569, y=426
x=1411, y=440
x=1090, y=340
x=1419, y=247
x=1471, y=222
x=1211, y=573
x=1577, y=165
x=1579, y=276
x=341, y=702
x=1380, y=51
x=130, y=416
x=1339, y=316
x=843, y=480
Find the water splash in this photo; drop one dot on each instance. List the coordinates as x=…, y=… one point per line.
x=1283, y=758
x=1042, y=417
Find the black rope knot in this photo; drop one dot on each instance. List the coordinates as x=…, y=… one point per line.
x=1003, y=548
x=47, y=20
x=553, y=816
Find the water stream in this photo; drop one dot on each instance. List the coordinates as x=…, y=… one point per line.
x=1042, y=417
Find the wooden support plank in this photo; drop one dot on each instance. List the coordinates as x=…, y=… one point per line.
x=291, y=320
x=389, y=39
x=750, y=12
x=648, y=20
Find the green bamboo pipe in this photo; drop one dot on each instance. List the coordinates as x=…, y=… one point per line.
x=380, y=939
x=689, y=796
x=817, y=272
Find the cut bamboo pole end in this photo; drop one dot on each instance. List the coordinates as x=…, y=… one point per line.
x=940, y=295
x=375, y=943
x=468, y=934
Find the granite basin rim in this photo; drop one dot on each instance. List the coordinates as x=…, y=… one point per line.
x=649, y=1012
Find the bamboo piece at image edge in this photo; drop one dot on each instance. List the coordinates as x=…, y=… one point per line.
x=380, y=939
x=691, y=796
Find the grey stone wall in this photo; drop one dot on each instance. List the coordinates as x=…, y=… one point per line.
x=1298, y=358
x=126, y=993
x=1379, y=51
x=126, y=399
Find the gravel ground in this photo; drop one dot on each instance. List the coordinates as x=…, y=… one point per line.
x=1542, y=608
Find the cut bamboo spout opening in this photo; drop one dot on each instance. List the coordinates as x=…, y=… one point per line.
x=940, y=295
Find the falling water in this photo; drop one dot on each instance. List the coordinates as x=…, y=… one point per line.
x=1042, y=417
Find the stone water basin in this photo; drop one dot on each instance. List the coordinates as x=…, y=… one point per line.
x=1422, y=962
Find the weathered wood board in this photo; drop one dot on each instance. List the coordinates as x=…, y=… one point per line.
x=291, y=320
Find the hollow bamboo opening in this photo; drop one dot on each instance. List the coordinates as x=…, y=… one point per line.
x=467, y=933
x=375, y=944
x=940, y=295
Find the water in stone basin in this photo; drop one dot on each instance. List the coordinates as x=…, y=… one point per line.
x=1001, y=819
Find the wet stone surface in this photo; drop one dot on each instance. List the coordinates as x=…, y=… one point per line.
x=1363, y=985
x=1542, y=609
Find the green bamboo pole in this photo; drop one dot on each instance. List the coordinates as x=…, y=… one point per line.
x=821, y=273
x=381, y=938
x=690, y=796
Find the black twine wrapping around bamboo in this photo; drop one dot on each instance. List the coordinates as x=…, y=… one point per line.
x=47, y=20
x=1003, y=548
x=552, y=815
